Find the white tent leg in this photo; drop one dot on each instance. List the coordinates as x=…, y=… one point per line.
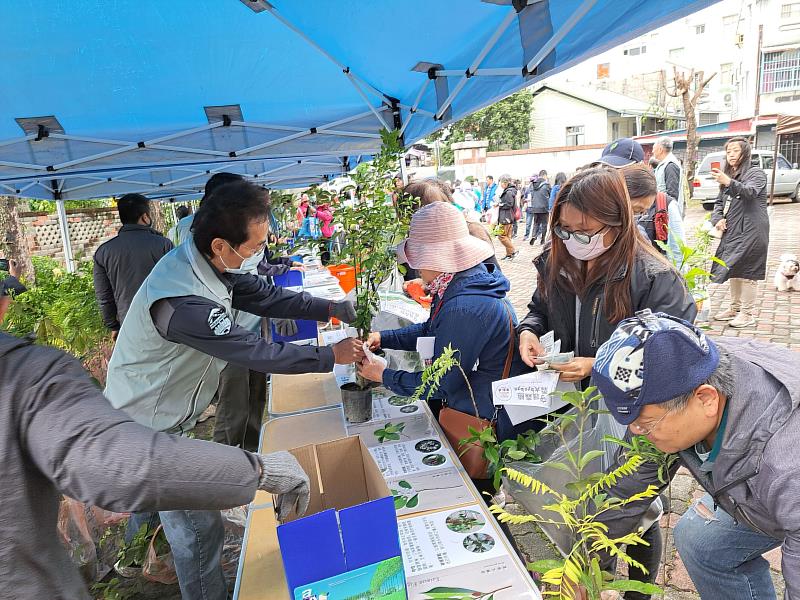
x=63, y=226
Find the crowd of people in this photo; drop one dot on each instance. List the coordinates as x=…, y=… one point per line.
x=190, y=317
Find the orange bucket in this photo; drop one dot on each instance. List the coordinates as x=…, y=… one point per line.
x=346, y=276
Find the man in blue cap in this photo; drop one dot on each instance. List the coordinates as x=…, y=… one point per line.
x=729, y=408
x=621, y=153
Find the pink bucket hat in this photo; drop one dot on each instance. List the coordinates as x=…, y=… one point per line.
x=439, y=240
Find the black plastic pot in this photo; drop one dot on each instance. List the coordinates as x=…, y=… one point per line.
x=357, y=403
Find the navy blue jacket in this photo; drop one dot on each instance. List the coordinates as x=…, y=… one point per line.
x=474, y=320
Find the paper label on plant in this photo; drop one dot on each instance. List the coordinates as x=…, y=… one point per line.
x=495, y=579
x=390, y=431
x=400, y=305
x=531, y=389
x=429, y=490
x=426, y=454
x=447, y=539
x=329, y=338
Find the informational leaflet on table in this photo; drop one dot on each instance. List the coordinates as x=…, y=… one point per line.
x=459, y=550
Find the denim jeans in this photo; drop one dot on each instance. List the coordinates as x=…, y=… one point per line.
x=196, y=538
x=528, y=223
x=723, y=558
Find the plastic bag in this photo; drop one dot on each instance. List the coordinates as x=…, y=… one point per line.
x=552, y=451
x=73, y=528
x=159, y=567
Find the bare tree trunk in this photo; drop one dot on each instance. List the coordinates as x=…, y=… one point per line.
x=13, y=243
x=689, y=89
x=157, y=214
x=691, y=138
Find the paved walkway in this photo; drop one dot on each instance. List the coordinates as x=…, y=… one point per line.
x=778, y=321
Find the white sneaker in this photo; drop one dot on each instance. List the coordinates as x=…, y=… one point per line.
x=743, y=319
x=726, y=315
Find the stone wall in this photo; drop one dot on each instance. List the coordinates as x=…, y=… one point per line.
x=88, y=228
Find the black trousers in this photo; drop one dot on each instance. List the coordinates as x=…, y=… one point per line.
x=242, y=399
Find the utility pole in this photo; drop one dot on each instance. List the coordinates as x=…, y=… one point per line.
x=757, y=108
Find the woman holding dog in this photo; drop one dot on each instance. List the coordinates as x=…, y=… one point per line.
x=740, y=217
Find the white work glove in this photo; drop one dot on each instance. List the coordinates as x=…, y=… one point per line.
x=281, y=474
x=285, y=327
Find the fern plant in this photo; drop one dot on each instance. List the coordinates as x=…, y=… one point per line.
x=579, y=508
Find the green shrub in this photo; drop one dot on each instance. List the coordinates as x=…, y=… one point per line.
x=59, y=310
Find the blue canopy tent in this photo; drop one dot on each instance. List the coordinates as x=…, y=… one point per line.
x=153, y=96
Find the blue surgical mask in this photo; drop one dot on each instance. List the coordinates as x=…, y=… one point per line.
x=249, y=264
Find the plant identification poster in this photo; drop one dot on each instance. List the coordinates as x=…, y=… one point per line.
x=429, y=490
x=460, y=552
x=406, y=458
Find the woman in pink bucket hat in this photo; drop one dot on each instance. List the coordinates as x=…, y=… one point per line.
x=470, y=312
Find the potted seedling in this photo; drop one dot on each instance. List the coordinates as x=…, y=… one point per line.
x=372, y=227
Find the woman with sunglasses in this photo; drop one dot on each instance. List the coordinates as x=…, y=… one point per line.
x=596, y=271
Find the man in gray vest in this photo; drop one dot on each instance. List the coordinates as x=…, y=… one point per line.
x=180, y=333
x=669, y=180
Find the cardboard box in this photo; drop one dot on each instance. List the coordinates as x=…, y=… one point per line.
x=347, y=544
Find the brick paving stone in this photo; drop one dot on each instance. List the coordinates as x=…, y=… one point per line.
x=774, y=558
x=677, y=577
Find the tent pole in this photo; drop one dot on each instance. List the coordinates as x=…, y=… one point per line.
x=63, y=226
x=774, y=165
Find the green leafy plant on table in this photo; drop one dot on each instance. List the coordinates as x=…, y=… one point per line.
x=579, y=575
x=372, y=226
x=522, y=448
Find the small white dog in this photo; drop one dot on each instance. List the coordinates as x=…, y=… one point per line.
x=787, y=277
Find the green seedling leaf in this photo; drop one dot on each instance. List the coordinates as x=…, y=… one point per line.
x=516, y=454
x=404, y=484
x=413, y=501
x=589, y=457
x=633, y=586
x=542, y=566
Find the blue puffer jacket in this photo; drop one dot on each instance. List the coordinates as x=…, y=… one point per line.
x=474, y=320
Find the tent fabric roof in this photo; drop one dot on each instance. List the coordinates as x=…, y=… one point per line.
x=104, y=98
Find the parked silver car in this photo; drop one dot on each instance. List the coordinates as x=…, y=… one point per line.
x=787, y=177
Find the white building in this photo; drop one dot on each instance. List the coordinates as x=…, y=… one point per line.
x=722, y=39
x=567, y=115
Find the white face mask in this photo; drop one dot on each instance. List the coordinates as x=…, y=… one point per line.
x=593, y=249
x=249, y=265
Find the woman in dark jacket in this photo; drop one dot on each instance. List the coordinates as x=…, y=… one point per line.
x=597, y=271
x=505, y=216
x=740, y=215
x=470, y=313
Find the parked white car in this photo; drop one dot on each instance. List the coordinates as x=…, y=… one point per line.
x=787, y=177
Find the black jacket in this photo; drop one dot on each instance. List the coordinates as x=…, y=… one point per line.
x=11, y=285
x=121, y=265
x=745, y=242
x=654, y=285
x=508, y=202
x=540, y=197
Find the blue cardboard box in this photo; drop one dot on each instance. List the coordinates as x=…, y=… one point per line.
x=347, y=545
